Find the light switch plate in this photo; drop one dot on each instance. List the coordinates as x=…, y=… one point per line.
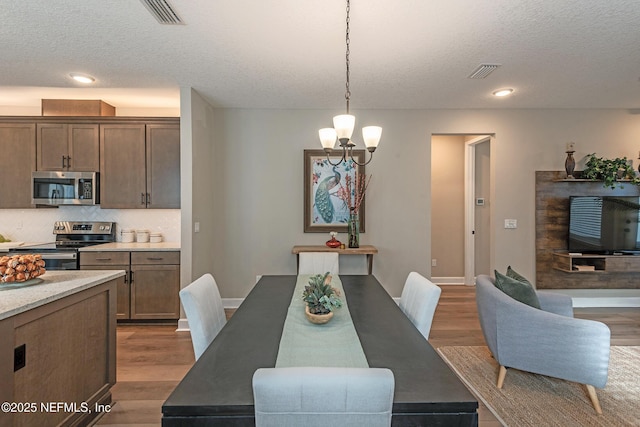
x=510, y=223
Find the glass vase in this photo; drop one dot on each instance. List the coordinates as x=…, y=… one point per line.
x=354, y=230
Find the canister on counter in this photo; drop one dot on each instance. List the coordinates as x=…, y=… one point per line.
x=155, y=237
x=142, y=236
x=127, y=235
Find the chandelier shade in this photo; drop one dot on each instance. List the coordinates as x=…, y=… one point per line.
x=344, y=124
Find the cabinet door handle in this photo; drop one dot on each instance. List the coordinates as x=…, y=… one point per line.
x=148, y=199
x=63, y=166
x=103, y=259
x=126, y=282
x=68, y=161
x=142, y=199
x=131, y=277
x=154, y=259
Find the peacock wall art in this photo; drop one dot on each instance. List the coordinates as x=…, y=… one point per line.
x=328, y=181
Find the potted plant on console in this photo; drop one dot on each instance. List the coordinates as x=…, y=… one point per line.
x=320, y=299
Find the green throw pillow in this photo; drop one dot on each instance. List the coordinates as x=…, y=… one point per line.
x=515, y=275
x=521, y=291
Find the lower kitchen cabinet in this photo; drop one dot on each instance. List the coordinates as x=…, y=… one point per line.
x=150, y=288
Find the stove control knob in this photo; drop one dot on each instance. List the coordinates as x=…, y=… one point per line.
x=101, y=227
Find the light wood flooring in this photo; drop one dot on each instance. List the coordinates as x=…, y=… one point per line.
x=152, y=359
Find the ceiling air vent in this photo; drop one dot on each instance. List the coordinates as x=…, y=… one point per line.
x=163, y=12
x=483, y=71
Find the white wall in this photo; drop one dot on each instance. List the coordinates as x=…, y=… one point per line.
x=259, y=192
x=447, y=205
x=197, y=185
x=14, y=110
x=36, y=225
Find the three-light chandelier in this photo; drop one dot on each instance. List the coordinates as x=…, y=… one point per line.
x=343, y=124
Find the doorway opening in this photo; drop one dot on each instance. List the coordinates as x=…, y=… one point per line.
x=460, y=207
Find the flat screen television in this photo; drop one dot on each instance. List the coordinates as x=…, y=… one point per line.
x=604, y=224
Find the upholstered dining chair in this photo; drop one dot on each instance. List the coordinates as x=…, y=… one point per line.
x=318, y=263
x=419, y=300
x=205, y=313
x=321, y=397
x=547, y=341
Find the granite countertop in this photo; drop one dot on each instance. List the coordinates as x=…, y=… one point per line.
x=120, y=246
x=16, y=298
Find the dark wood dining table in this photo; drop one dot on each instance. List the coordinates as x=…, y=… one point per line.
x=217, y=390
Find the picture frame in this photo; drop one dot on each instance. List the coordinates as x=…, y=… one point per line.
x=320, y=175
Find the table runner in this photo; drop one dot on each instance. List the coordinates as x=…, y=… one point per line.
x=334, y=344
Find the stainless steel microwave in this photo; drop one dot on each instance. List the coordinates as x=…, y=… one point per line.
x=65, y=188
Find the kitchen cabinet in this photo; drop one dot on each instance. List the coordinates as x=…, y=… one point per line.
x=68, y=147
x=163, y=166
x=17, y=161
x=140, y=166
x=112, y=261
x=150, y=288
x=155, y=284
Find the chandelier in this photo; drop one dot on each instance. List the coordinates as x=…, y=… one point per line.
x=343, y=124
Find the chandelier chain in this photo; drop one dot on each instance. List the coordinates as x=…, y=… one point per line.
x=347, y=94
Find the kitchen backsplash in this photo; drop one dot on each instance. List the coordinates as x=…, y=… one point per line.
x=36, y=225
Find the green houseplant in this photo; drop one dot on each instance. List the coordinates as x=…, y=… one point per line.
x=610, y=171
x=320, y=298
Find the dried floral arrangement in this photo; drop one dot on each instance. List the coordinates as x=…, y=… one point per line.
x=352, y=193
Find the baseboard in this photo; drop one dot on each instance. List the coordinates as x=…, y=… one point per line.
x=232, y=302
x=458, y=281
x=183, y=324
x=585, y=298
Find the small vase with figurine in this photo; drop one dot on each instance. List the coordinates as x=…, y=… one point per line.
x=333, y=242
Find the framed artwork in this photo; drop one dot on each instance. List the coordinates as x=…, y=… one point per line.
x=324, y=210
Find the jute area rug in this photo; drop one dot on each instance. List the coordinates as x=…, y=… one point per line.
x=535, y=400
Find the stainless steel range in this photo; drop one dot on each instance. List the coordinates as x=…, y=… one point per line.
x=63, y=254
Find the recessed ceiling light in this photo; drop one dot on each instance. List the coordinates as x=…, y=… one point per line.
x=503, y=92
x=82, y=78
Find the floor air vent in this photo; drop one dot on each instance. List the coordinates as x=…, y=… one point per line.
x=483, y=71
x=163, y=12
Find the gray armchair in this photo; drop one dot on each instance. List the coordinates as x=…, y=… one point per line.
x=547, y=341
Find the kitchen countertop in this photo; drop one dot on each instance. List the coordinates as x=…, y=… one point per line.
x=120, y=246
x=16, y=298
x=5, y=246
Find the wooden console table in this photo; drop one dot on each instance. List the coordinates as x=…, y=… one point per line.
x=367, y=250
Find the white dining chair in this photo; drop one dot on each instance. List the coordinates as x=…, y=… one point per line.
x=320, y=397
x=318, y=263
x=419, y=300
x=205, y=313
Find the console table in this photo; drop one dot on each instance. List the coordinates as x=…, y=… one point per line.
x=367, y=250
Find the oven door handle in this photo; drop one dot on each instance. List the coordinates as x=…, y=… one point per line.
x=59, y=256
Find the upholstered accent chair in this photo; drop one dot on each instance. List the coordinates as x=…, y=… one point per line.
x=205, y=313
x=321, y=397
x=419, y=300
x=547, y=341
x=318, y=263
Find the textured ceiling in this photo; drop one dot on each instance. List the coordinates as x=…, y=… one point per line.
x=290, y=53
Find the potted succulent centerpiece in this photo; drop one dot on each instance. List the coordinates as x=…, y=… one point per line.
x=320, y=299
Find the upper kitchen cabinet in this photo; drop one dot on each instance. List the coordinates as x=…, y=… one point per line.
x=163, y=166
x=68, y=147
x=18, y=160
x=122, y=167
x=140, y=166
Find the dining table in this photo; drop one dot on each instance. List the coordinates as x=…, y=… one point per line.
x=217, y=390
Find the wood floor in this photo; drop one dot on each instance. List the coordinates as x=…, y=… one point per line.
x=153, y=359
